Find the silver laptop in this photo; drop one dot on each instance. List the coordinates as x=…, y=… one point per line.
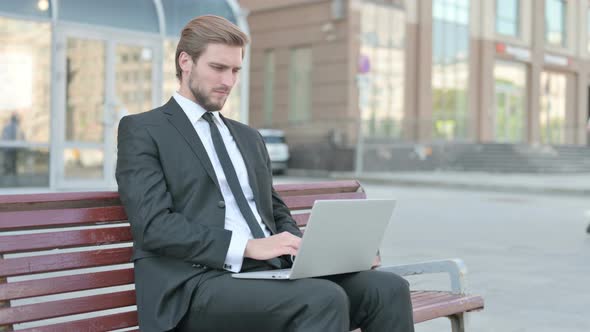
x=342, y=236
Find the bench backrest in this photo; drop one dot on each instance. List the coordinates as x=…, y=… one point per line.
x=65, y=256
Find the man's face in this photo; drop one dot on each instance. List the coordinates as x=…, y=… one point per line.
x=214, y=74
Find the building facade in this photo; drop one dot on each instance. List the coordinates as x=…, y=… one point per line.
x=358, y=75
x=70, y=69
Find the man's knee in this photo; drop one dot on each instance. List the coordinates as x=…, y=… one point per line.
x=328, y=296
x=389, y=287
x=324, y=306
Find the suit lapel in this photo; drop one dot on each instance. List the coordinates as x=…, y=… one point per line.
x=181, y=122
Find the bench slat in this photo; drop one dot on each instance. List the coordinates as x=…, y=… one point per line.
x=306, y=202
x=72, y=283
x=317, y=188
x=96, y=324
x=446, y=306
x=436, y=298
x=428, y=295
x=58, y=197
x=49, y=201
x=50, y=263
x=64, y=239
x=38, y=311
x=21, y=220
x=53, y=201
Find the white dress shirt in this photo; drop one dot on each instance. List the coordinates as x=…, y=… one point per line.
x=234, y=221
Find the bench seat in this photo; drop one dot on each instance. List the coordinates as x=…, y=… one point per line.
x=65, y=257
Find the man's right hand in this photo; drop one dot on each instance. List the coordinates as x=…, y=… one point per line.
x=273, y=246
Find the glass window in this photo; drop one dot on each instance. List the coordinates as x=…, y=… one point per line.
x=169, y=81
x=555, y=22
x=553, y=104
x=129, y=14
x=133, y=80
x=27, y=8
x=179, y=12
x=139, y=69
x=25, y=66
x=510, y=100
x=269, y=85
x=507, y=17
x=382, y=68
x=300, y=84
x=24, y=167
x=85, y=90
x=450, y=66
x=83, y=163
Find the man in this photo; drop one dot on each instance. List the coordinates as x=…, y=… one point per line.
x=197, y=188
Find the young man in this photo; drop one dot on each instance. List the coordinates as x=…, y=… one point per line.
x=197, y=188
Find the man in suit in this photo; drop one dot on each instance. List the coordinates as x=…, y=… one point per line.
x=197, y=188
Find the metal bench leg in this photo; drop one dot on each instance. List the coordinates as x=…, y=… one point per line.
x=457, y=322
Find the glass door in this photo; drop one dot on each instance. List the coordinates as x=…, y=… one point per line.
x=102, y=79
x=510, y=102
x=552, y=112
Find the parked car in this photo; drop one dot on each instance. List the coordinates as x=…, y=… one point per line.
x=277, y=147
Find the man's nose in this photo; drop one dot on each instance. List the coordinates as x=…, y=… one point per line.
x=228, y=79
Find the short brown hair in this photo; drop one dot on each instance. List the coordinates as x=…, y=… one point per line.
x=204, y=30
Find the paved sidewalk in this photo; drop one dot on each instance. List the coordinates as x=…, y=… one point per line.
x=563, y=184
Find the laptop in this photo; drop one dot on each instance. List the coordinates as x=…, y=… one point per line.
x=341, y=236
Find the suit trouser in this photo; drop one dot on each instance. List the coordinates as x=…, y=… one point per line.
x=375, y=301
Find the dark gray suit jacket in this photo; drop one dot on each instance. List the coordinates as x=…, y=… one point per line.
x=176, y=210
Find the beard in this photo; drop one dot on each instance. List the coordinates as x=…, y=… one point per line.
x=204, y=99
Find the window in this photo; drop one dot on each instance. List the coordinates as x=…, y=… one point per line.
x=169, y=81
x=507, y=17
x=555, y=22
x=300, y=85
x=269, y=83
x=381, y=85
x=450, y=68
x=85, y=90
x=510, y=101
x=25, y=62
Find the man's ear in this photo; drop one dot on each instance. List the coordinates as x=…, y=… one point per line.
x=185, y=61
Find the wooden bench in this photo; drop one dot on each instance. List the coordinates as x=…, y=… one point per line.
x=78, y=246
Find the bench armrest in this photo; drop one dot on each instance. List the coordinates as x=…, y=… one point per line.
x=454, y=267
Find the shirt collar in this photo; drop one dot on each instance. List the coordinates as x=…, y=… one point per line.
x=193, y=111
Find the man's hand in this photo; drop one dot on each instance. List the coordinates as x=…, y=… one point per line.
x=277, y=245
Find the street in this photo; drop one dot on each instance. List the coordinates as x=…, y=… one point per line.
x=528, y=255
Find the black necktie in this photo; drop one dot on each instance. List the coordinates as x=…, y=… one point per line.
x=232, y=178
